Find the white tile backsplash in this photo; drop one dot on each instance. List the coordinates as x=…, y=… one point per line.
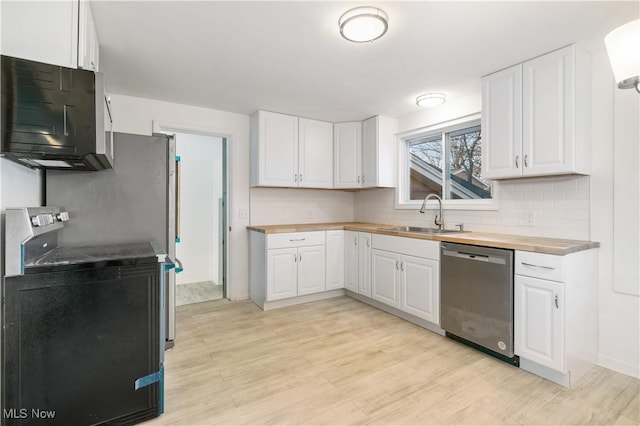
x=559, y=205
x=279, y=206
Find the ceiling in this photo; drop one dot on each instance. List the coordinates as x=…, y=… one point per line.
x=289, y=57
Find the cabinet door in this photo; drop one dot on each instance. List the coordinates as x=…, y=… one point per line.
x=502, y=123
x=311, y=270
x=351, y=260
x=548, y=113
x=335, y=260
x=539, y=321
x=88, y=46
x=370, y=152
x=315, y=156
x=385, y=285
x=347, y=143
x=282, y=273
x=44, y=31
x=420, y=288
x=277, y=149
x=364, y=263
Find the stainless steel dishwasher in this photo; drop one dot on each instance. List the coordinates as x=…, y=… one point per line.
x=476, y=287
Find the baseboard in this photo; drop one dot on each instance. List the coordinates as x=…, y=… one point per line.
x=301, y=299
x=393, y=311
x=619, y=366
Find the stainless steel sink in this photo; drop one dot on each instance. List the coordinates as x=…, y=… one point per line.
x=419, y=230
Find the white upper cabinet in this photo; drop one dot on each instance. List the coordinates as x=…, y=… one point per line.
x=274, y=149
x=315, y=153
x=535, y=117
x=378, y=152
x=88, y=46
x=53, y=32
x=347, y=164
x=291, y=152
x=365, y=153
x=502, y=123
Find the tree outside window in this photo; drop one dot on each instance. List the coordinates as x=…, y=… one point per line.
x=447, y=163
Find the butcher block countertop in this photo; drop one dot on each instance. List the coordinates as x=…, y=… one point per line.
x=516, y=242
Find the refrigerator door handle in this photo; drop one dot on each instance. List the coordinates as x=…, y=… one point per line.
x=179, y=267
x=177, y=206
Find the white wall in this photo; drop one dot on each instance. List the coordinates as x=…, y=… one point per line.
x=137, y=115
x=279, y=206
x=201, y=186
x=19, y=187
x=619, y=313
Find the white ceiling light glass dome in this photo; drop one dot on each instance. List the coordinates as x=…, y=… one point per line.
x=429, y=100
x=363, y=24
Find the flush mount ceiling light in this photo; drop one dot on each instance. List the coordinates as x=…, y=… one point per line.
x=623, y=47
x=429, y=100
x=363, y=24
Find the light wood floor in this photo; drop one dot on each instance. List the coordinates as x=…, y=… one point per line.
x=340, y=361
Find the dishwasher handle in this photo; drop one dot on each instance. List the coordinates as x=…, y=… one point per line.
x=475, y=256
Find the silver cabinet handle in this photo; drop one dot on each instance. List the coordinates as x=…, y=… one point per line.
x=300, y=259
x=397, y=264
x=524, y=159
x=295, y=177
x=556, y=299
x=300, y=177
x=355, y=241
x=402, y=265
x=517, y=159
x=358, y=179
x=548, y=268
x=368, y=244
x=295, y=258
x=362, y=178
x=297, y=239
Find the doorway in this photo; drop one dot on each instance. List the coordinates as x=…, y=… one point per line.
x=202, y=201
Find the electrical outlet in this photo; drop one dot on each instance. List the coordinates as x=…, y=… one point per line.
x=526, y=218
x=243, y=213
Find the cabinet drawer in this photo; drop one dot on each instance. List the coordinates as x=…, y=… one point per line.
x=409, y=246
x=295, y=239
x=538, y=265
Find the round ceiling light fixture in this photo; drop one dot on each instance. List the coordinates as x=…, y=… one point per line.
x=429, y=100
x=363, y=24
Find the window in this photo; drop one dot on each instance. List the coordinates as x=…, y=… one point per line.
x=447, y=162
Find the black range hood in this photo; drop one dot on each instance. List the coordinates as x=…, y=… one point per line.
x=54, y=117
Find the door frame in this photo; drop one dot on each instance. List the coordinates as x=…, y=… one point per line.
x=169, y=127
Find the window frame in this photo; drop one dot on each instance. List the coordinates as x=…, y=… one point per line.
x=402, y=200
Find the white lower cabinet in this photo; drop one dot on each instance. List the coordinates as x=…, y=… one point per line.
x=539, y=321
x=420, y=288
x=385, y=277
x=282, y=270
x=357, y=262
x=288, y=265
x=555, y=329
x=402, y=280
x=335, y=260
x=311, y=270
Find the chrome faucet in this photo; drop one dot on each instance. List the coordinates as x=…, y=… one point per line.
x=438, y=219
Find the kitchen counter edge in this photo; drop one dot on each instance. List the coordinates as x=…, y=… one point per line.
x=556, y=246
